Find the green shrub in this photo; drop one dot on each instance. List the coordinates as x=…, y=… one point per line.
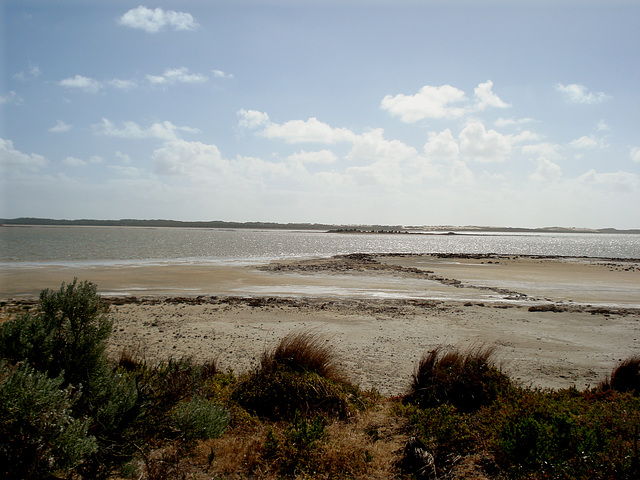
x=39, y=435
x=66, y=336
x=296, y=450
x=466, y=380
x=200, y=419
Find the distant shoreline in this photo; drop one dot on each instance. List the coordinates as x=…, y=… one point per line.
x=385, y=229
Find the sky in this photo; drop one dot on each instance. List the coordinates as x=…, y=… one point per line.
x=515, y=113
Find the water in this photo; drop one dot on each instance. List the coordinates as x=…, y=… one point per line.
x=28, y=246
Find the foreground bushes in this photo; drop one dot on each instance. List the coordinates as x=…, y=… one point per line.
x=64, y=407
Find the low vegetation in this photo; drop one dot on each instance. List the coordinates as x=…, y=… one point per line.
x=67, y=411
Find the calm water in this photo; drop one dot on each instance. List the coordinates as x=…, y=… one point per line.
x=129, y=245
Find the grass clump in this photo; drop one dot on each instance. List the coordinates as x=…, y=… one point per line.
x=465, y=380
x=625, y=377
x=299, y=376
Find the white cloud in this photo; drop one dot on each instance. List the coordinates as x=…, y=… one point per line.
x=11, y=97
x=576, y=93
x=372, y=146
x=547, y=171
x=60, y=127
x=10, y=158
x=161, y=130
x=221, y=74
x=153, y=21
x=486, y=98
x=442, y=145
x=74, y=162
x=126, y=170
x=635, y=154
x=193, y=159
x=584, y=142
x=83, y=83
x=602, y=126
x=461, y=174
x=507, y=122
x=621, y=182
x=34, y=72
x=123, y=157
x=172, y=76
x=429, y=102
x=311, y=131
x=96, y=159
x=482, y=145
x=252, y=118
x=319, y=157
x=125, y=85
x=545, y=149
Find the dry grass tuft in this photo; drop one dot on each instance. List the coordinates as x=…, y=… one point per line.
x=305, y=351
x=466, y=380
x=625, y=377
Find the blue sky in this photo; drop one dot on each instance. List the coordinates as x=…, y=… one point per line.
x=520, y=113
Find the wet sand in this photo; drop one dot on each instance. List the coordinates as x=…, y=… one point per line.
x=556, y=322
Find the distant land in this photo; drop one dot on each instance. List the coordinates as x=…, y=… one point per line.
x=469, y=229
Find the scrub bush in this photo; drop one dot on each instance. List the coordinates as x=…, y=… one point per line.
x=39, y=435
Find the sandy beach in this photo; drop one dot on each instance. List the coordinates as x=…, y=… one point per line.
x=555, y=321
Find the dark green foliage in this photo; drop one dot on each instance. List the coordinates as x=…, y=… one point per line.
x=446, y=432
x=299, y=376
x=466, y=381
x=39, y=434
x=67, y=335
x=575, y=434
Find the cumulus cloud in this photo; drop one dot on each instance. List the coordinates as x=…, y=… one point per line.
x=184, y=158
x=442, y=145
x=60, y=127
x=252, y=118
x=507, y=122
x=221, y=74
x=10, y=158
x=621, y=182
x=429, y=102
x=584, y=142
x=81, y=82
x=546, y=171
x=153, y=21
x=319, y=157
x=482, y=145
x=635, y=154
x=444, y=101
x=172, y=76
x=372, y=146
x=294, y=131
x=485, y=97
x=577, y=93
x=160, y=130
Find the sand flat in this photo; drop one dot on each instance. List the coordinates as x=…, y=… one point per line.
x=556, y=322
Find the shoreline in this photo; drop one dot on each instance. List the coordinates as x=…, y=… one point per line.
x=555, y=322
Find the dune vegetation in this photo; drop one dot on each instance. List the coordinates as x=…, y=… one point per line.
x=69, y=411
